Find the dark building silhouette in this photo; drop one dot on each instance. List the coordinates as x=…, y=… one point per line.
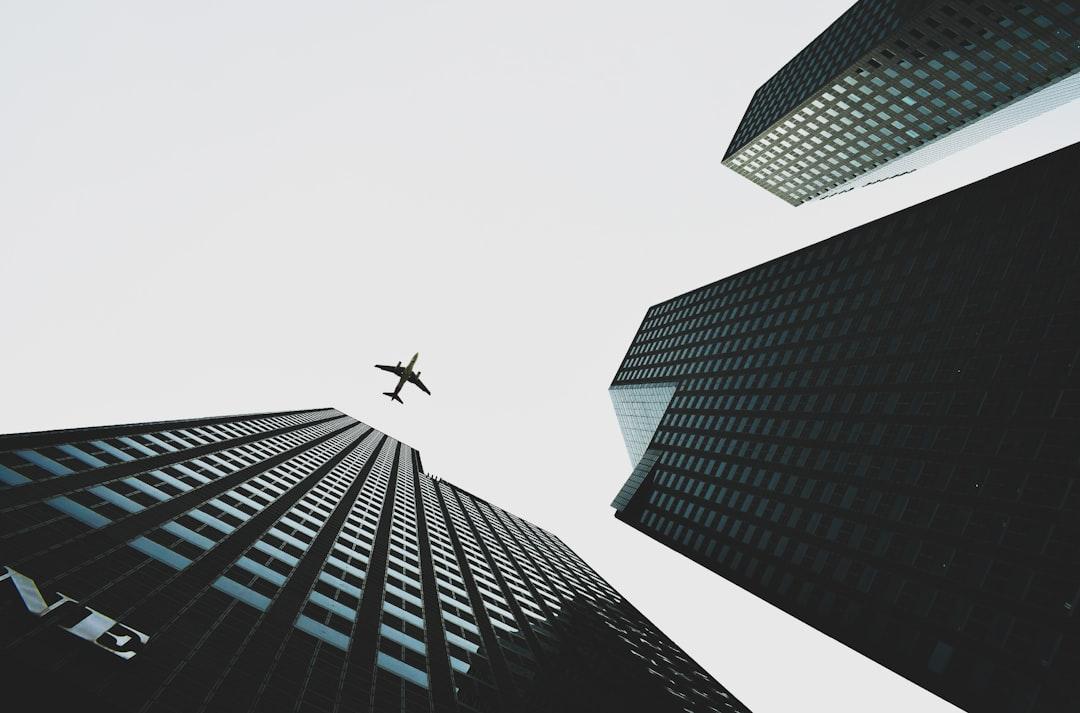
x=298, y=561
x=893, y=85
x=880, y=434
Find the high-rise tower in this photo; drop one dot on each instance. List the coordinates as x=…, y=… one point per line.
x=299, y=561
x=893, y=85
x=879, y=434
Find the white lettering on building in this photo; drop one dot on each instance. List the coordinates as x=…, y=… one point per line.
x=95, y=627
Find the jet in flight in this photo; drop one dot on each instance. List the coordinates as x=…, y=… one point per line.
x=404, y=373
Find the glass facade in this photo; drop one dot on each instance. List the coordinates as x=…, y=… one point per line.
x=896, y=79
x=878, y=434
x=639, y=409
x=299, y=561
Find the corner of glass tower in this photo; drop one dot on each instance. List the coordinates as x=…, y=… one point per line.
x=639, y=408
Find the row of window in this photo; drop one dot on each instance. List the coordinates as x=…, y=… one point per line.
x=875, y=112
x=524, y=578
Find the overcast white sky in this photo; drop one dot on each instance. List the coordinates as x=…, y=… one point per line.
x=218, y=207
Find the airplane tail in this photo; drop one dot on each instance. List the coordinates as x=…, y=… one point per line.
x=393, y=396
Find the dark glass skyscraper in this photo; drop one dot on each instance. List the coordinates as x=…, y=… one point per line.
x=893, y=85
x=299, y=561
x=880, y=434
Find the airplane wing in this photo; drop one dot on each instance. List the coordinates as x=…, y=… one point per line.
x=395, y=370
x=415, y=380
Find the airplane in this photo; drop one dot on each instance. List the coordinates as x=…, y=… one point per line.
x=404, y=373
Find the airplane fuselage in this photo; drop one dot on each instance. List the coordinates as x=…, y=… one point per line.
x=404, y=378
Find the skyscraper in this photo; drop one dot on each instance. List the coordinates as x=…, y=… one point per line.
x=299, y=561
x=892, y=86
x=879, y=435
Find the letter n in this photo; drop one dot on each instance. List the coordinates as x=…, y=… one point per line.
x=32, y=598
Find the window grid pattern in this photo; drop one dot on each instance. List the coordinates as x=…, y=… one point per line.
x=22, y=466
x=952, y=64
x=864, y=25
x=100, y=505
x=474, y=685
x=514, y=650
x=265, y=567
x=263, y=594
x=330, y=611
x=877, y=434
x=402, y=646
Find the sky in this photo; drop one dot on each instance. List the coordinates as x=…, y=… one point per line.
x=212, y=208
